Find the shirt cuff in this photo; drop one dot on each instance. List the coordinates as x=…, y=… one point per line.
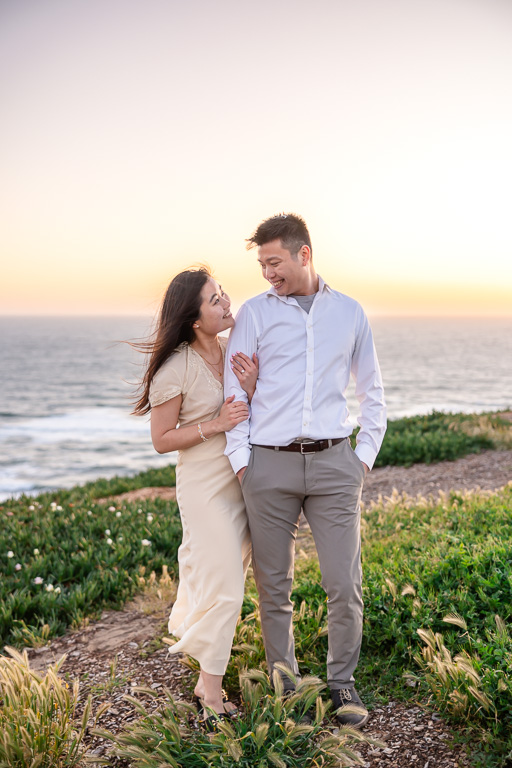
x=240, y=458
x=365, y=453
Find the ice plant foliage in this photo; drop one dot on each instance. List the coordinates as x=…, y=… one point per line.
x=88, y=554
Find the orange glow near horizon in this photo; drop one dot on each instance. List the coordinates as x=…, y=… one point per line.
x=377, y=298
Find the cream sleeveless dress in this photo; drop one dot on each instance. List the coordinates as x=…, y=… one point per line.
x=215, y=550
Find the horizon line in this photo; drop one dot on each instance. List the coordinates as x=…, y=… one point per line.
x=419, y=315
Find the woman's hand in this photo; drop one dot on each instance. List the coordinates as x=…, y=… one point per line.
x=231, y=414
x=246, y=371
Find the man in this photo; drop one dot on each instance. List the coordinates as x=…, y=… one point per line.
x=294, y=451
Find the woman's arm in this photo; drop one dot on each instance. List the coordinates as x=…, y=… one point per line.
x=166, y=436
x=246, y=371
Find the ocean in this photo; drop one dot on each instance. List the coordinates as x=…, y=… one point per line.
x=67, y=384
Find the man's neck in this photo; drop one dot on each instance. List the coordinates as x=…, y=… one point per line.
x=310, y=287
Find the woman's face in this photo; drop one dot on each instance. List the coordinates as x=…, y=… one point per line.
x=214, y=315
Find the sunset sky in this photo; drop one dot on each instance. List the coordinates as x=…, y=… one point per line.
x=139, y=137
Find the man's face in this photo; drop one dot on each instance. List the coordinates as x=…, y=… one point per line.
x=288, y=274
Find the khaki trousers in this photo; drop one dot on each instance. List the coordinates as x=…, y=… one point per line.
x=327, y=485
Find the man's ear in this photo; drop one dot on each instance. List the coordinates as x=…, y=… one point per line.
x=305, y=255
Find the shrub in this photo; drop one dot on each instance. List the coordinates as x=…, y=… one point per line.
x=441, y=437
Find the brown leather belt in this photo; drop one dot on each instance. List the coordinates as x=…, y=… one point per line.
x=307, y=447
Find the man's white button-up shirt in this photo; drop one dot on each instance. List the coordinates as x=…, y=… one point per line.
x=305, y=362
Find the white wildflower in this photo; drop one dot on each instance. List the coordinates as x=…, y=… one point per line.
x=53, y=505
x=59, y=509
x=149, y=518
x=49, y=587
x=10, y=553
x=36, y=551
x=119, y=538
x=118, y=514
x=17, y=567
x=139, y=511
x=57, y=590
x=38, y=580
x=109, y=541
x=111, y=509
x=89, y=512
x=107, y=531
x=31, y=508
x=146, y=543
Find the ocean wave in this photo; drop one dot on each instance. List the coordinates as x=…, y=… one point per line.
x=85, y=425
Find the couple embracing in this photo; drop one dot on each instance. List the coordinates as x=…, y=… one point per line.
x=262, y=428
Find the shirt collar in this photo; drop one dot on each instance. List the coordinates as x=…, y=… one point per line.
x=322, y=287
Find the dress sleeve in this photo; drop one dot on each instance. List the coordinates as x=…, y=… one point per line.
x=169, y=381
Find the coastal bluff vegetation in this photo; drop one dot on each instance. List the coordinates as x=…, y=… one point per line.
x=88, y=575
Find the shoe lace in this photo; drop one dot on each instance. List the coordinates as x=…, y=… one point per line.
x=345, y=694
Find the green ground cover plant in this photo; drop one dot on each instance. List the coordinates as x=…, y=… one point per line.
x=441, y=437
x=62, y=561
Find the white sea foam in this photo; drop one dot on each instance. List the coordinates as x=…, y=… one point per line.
x=86, y=425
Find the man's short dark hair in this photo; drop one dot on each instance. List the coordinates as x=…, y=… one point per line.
x=289, y=228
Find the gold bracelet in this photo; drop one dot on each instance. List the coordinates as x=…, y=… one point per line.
x=203, y=438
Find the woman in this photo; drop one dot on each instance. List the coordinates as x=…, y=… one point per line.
x=183, y=388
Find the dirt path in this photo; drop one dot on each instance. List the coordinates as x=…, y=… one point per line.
x=123, y=649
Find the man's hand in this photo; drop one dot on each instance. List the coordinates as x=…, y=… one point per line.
x=240, y=474
x=366, y=468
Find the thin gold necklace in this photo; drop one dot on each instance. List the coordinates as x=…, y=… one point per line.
x=213, y=364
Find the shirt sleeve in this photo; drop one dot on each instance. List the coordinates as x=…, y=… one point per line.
x=168, y=382
x=369, y=392
x=243, y=338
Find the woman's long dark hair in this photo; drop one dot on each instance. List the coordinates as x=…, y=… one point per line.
x=180, y=309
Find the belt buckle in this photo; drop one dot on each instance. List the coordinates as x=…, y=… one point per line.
x=306, y=453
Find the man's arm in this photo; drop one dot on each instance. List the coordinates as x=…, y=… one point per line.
x=370, y=393
x=243, y=338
